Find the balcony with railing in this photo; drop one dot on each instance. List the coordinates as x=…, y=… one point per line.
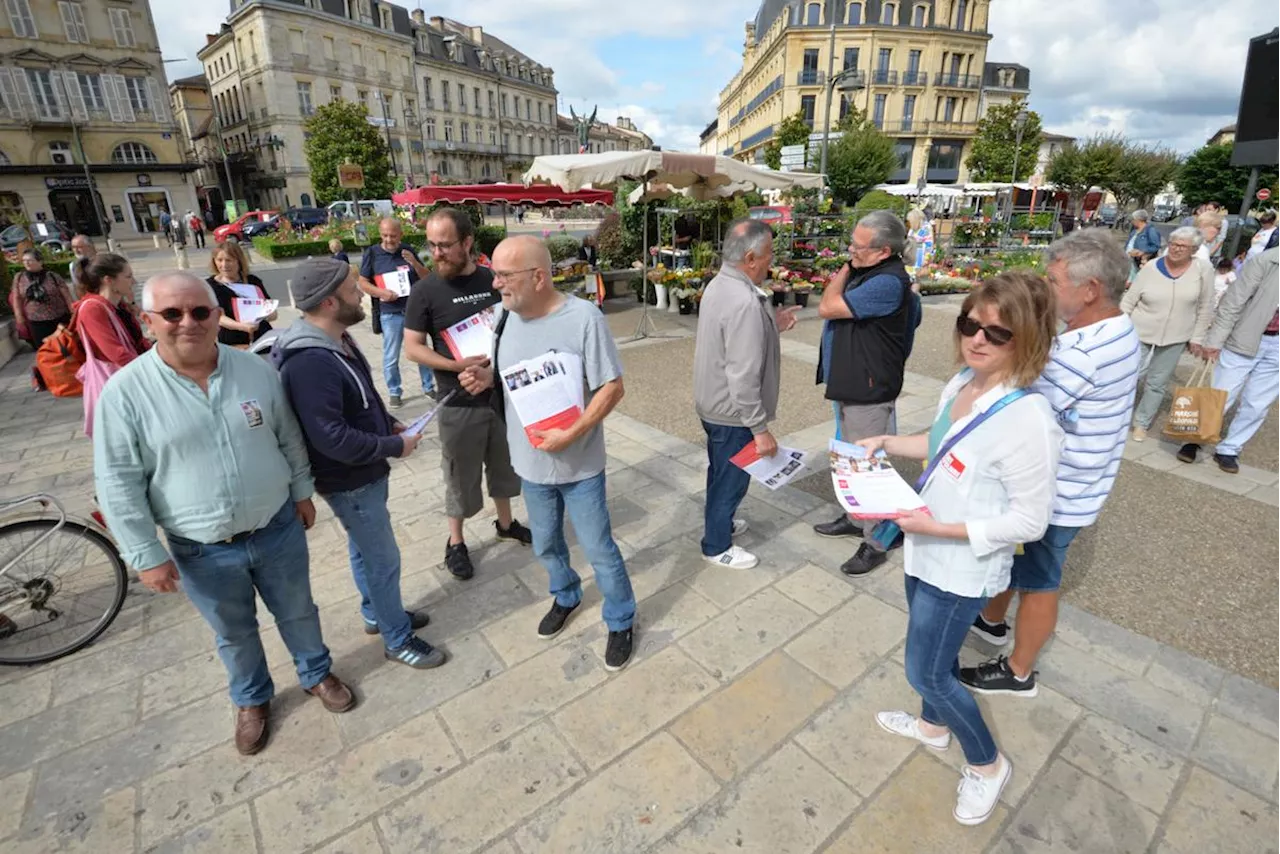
x=926, y=127
x=809, y=77
x=884, y=77
x=957, y=81
x=915, y=77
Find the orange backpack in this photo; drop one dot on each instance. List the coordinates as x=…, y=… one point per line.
x=58, y=359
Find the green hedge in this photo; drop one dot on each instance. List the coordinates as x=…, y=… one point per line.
x=268, y=248
x=488, y=237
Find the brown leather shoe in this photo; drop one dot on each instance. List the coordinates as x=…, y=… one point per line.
x=336, y=697
x=252, y=728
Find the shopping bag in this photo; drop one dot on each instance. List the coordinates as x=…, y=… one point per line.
x=95, y=372
x=1196, y=416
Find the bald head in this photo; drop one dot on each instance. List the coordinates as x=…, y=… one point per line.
x=528, y=251
x=522, y=274
x=168, y=285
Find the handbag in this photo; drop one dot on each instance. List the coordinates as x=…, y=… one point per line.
x=886, y=531
x=95, y=372
x=1196, y=415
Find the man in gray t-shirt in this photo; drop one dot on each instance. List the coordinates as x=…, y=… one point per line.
x=565, y=471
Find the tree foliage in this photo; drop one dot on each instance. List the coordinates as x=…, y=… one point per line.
x=1208, y=176
x=992, y=155
x=792, y=130
x=1142, y=172
x=339, y=132
x=861, y=158
x=1079, y=167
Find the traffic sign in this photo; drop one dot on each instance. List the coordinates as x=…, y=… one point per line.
x=792, y=150
x=1264, y=194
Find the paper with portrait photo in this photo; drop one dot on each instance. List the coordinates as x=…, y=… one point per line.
x=546, y=392
x=773, y=472
x=868, y=487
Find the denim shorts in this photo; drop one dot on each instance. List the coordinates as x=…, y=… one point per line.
x=1039, y=568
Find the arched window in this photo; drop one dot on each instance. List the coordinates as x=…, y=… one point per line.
x=133, y=152
x=305, y=201
x=813, y=15
x=919, y=15
x=889, y=14
x=853, y=14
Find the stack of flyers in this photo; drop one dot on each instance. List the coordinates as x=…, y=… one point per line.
x=253, y=310
x=420, y=423
x=778, y=470
x=546, y=391
x=471, y=337
x=868, y=487
x=397, y=281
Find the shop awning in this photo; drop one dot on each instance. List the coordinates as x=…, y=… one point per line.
x=540, y=195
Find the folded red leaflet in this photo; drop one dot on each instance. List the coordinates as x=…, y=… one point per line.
x=559, y=421
x=746, y=456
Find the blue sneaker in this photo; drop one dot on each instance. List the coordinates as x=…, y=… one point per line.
x=417, y=620
x=418, y=654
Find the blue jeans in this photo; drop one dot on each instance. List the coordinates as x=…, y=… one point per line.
x=220, y=579
x=726, y=485
x=392, y=339
x=937, y=624
x=375, y=558
x=585, y=500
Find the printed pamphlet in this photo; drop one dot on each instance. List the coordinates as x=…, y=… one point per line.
x=778, y=470
x=868, y=487
x=546, y=391
x=472, y=336
x=420, y=423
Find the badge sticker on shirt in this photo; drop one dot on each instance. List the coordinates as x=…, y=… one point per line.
x=952, y=465
x=252, y=413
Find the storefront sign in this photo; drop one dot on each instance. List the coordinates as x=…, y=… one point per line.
x=71, y=182
x=144, y=180
x=351, y=176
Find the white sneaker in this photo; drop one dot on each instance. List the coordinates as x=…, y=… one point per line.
x=735, y=558
x=740, y=527
x=977, y=795
x=1139, y=434
x=908, y=725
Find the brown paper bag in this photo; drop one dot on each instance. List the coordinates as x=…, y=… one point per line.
x=1196, y=416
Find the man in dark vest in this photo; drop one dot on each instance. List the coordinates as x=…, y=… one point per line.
x=871, y=317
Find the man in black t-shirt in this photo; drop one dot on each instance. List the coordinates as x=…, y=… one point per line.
x=473, y=439
x=383, y=262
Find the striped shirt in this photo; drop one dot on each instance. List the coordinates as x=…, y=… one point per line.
x=1090, y=382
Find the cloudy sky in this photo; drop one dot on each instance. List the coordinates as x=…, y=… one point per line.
x=1165, y=71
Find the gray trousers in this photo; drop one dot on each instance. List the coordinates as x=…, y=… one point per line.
x=856, y=421
x=1158, y=364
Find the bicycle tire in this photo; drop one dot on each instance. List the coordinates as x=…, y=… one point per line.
x=121, y=588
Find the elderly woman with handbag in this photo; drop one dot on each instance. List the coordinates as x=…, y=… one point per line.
x=40, y=299
x=989, y=485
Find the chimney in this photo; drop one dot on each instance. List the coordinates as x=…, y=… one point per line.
x=418, y=16
x=477, y=35
x=751, y=35
x=437, y=22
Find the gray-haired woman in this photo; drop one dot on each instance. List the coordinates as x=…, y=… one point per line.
x=1171, y=305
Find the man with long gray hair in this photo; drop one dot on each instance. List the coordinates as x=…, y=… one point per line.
x=1090, y=382
x=871, y=317
x=737, y=366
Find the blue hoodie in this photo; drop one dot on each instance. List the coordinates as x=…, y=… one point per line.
x=347, y=427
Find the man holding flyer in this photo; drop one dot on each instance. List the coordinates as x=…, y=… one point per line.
x=350, y=435
x=452, y=305
x=388, y=271
x=545, y=339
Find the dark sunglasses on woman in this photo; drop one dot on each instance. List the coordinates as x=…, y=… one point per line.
x=997, y=335
x=199, y=314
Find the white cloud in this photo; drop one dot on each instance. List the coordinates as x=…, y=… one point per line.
x=1157, y=70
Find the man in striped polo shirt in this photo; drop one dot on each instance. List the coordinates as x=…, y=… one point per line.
x=1090, y=382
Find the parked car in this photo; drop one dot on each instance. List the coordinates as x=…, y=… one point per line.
x=235, y=230
x=1107, y=216
x=1163, y=213
x=54, y=235
x=255, y=228
x=302, y=218
x=368, y=207
x=772, y=214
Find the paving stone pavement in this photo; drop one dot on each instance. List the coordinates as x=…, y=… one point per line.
x=744, y=723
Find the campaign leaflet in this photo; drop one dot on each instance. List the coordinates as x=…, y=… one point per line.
x=397, y=281
x=472, y=336
x=778, y=470
x=546, y=391
x=868, y=487
x=420, y=423
x=254, y=310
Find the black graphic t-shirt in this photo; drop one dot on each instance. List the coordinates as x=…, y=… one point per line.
x=435, y=304
x=378, y=262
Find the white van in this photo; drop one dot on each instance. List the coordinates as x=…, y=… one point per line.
x=368, y=207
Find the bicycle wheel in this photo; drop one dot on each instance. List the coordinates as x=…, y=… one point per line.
x=60, y=595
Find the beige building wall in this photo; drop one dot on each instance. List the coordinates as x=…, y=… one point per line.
x=919, y=73
x=88, y=69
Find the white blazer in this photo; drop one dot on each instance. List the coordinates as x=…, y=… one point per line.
x=1000, y=481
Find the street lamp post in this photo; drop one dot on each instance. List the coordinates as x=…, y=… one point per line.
x=382, y=99
x=848, y=80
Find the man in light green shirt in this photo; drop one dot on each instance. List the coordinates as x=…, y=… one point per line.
x=198, y=439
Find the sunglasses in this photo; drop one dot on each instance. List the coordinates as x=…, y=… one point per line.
x=199, y=314
x=997, y=335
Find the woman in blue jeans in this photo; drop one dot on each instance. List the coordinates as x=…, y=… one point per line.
x=993, y=452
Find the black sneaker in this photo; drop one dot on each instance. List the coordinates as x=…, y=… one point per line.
x=458, y=561
x=617, y=651
x=996, y=634
x=842, y=527
x=1187, y=453
x=417, y=620
x=396, y=403
x=555, y=619
x=516, y=533
x=996, y=677
x=1229, y=463
x=418, y=654
x=864, y=560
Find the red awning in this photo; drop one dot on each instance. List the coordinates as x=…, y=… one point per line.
x=538, y=195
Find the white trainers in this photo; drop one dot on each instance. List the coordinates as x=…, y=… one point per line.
x=908, y=725
x=978, y=795
x=735, y=558
x=740, y=527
